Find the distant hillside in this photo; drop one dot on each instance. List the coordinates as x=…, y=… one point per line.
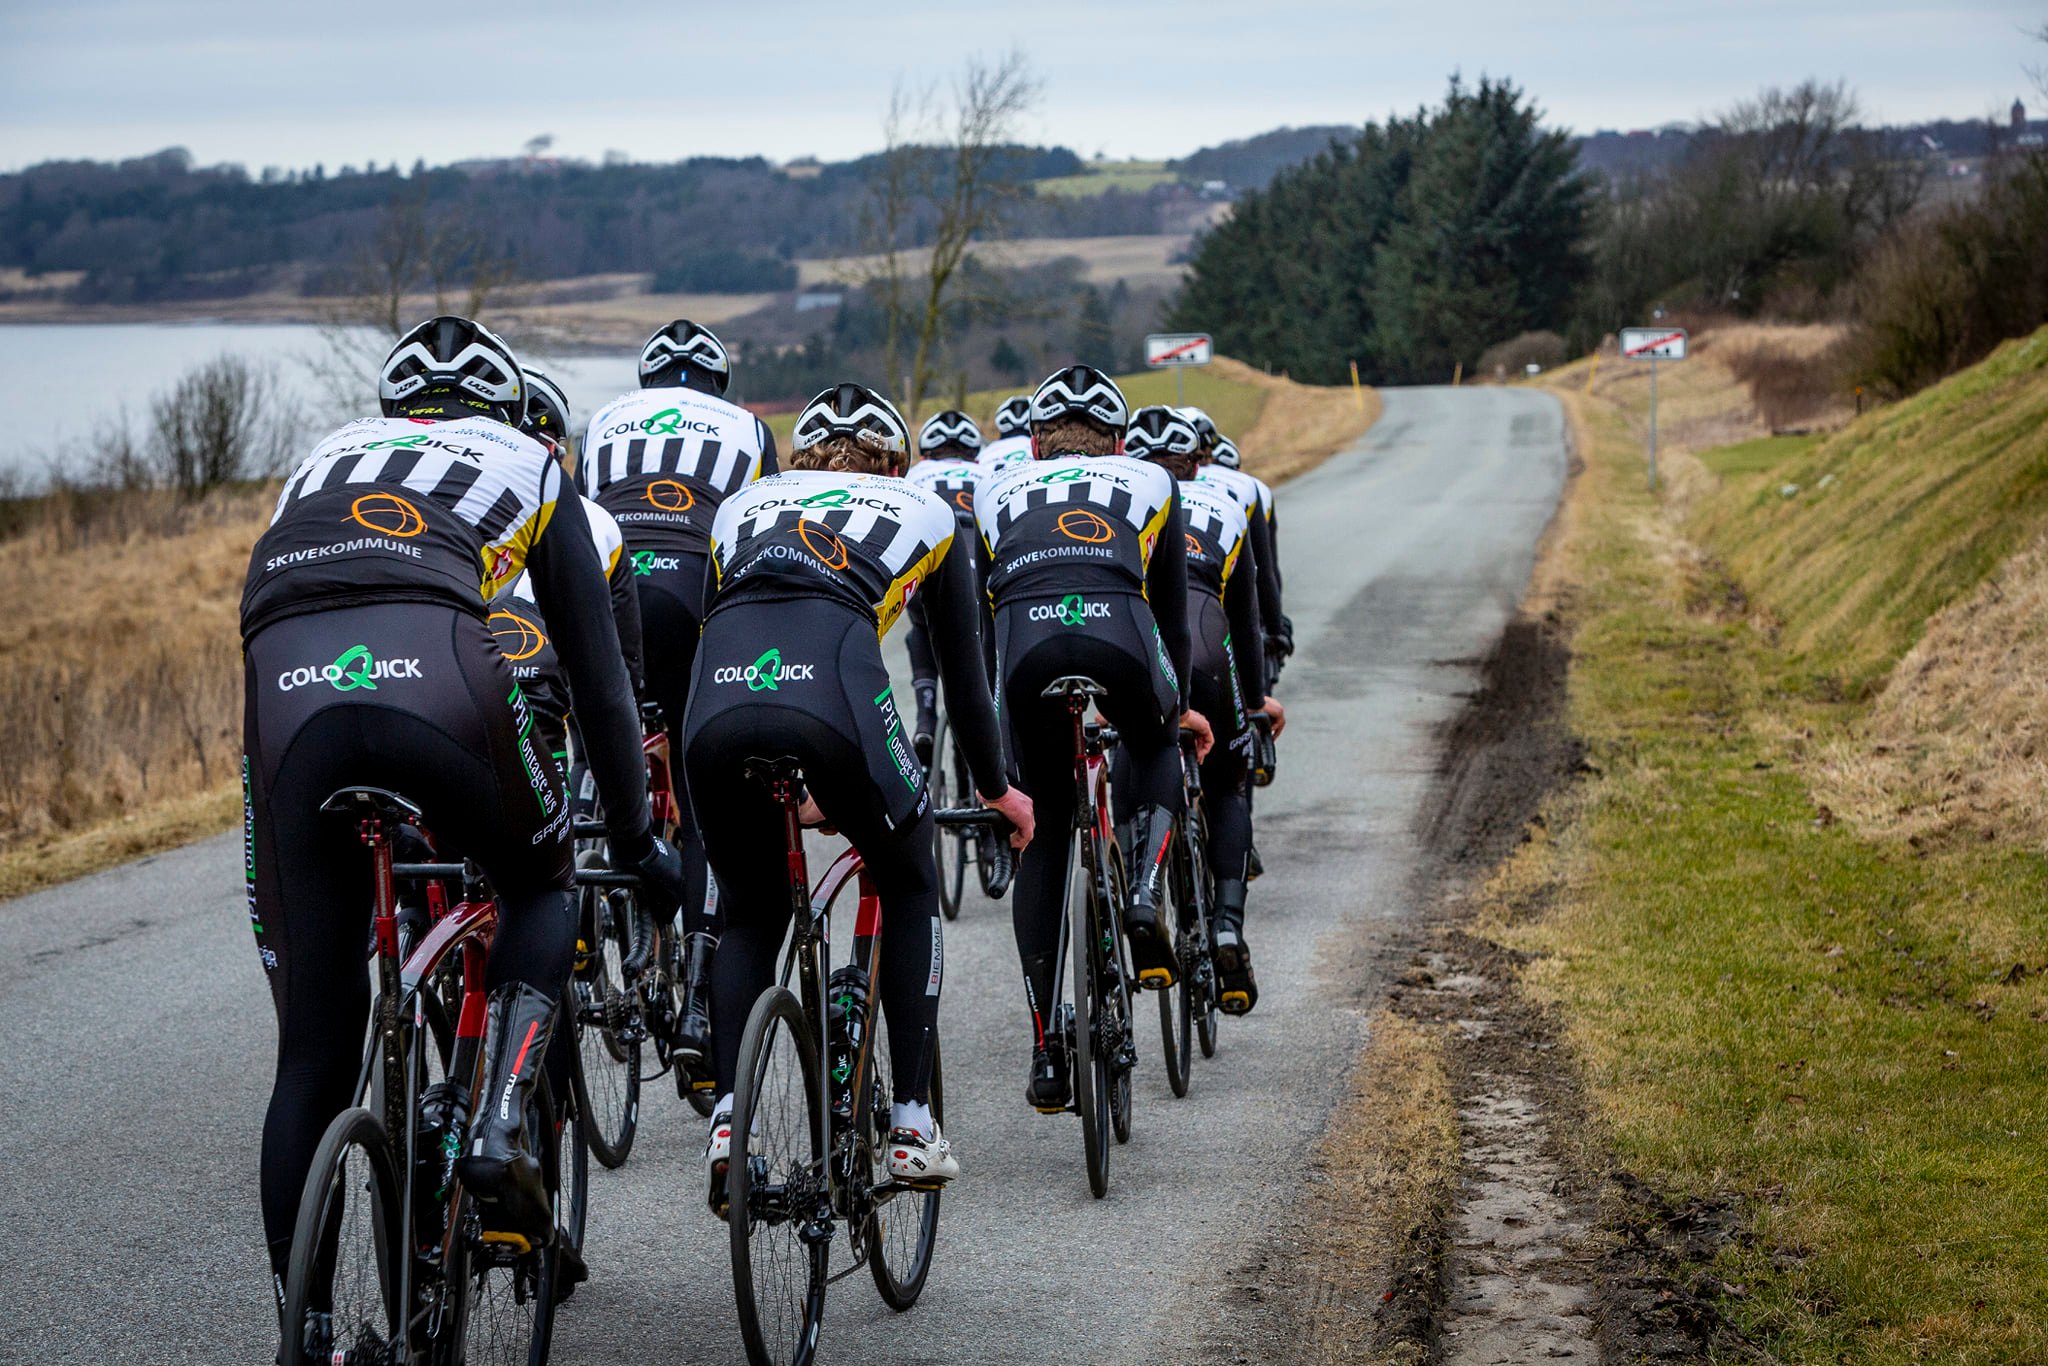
x=1251, y=163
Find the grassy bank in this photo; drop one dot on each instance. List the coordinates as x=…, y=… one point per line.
x=1841, y=1028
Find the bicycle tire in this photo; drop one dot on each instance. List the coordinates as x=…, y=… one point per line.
x=506, y=1311
x=779, y=1293
x=1121, y=1041
x=352, y=1173
x=1176, y=1003
x=900, y=1279
x=951, y=844
x=604, y=1074
x=572, y=1142
x=1089, y=1066
x=1204, y=993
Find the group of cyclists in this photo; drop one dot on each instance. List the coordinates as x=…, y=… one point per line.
x=453, y=603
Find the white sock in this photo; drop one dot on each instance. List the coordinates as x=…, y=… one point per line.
x=913, y=1114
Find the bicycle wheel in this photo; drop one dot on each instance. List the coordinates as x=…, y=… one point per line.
x=904, y=1225
x=572, y=1142
x=1090, y=1063
x=1176, y=1003
x=952, y=844
x=1119, y=1033
x=779, y=1202
x=605, y=1074
x=341, y=1286
x=506, y=1285
x=1197, y=957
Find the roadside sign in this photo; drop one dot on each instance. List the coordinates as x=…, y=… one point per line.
x=1166, y=349
x=1653, y=343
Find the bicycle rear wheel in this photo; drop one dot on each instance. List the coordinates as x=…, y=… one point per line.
x=341, y=1286
x=947, y=792
x=1090, y=1064
x=777, y=1193
x=903, y=1226
x=606, y=1072
x=1119, y=1033
x=1176, y=1003
x=1198, y=958
x=507, y=1286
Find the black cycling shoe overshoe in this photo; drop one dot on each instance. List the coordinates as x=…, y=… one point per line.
x=1233, y=955
x=1254, y=865
x=1050, y=1088
x=570, y=1268
x=927, y=727
x=501, y=1169
x=691, y=1045
x=1150, y=935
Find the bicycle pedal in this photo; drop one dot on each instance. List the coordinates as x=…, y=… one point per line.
x=1155, y=979
x=1235, y=1003
x=1054, y=1109
x=518, y=1242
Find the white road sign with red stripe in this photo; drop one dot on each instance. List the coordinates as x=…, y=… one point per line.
x=1166, y=349
x=1653, y=343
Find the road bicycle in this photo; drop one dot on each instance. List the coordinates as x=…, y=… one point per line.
x=960, y=847
x=391, y=1260
x=811, y=1112
x=1188, y=1009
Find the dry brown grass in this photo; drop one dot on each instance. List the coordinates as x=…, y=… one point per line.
x=120, y=673
x=1300, y=425
x=1956, y=742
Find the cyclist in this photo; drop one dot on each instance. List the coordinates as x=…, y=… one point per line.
x=367, y=661
x=1219, y=463
x=948, y=448
x=814, y=565
x=661, y=460
x=1088, y=576
x=1226, y=678
x=1013, y=434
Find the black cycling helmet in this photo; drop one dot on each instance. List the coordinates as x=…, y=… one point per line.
x=1014, y=417
x=457, y=354
x=950, y=428
x=857, y=411
x=1158, y=431
x=1081, y=391
x=683, y=352
x=1225, y=453
x=1205, y=429
x=547, y=409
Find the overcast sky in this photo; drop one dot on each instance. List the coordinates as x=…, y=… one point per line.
x=274, y=82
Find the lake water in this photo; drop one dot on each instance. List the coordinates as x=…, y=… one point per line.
x=62, y=382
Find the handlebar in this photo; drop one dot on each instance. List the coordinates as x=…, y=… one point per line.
x=974, y=815
x=585, y=877
x=1261, y=721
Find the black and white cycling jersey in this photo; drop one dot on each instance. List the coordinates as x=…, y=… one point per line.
x=662, y=460
x=1216, y=537
x=868, y=540
x=954, y=481
x=1073, y=522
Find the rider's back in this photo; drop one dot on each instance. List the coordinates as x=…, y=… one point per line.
x=662, y=460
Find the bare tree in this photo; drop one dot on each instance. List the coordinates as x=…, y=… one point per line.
x=221, y=423
x=936, y=191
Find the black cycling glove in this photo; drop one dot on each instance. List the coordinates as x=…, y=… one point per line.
x=661, y=878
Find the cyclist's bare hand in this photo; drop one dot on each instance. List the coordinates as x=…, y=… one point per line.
x=1277, y=712
x=1197, y=725
x=1016, y=809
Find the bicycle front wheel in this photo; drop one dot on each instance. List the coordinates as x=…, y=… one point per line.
x=904, y=1223
x=947, y=791
x=778, y=1196
x=1090, y=1064
x=1176, y=1003
x=606, y=1075
x=507, y=1285
x=341, y=1288
x=1119, y=1021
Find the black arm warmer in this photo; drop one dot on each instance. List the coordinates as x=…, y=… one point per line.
x=1260, y=534
x=1247, y=642
x=924, y=665
x=955, y=613
x=569, y=586
x=626, y=616
x=768, y=466
x=1273, y=540
x=1166, y=588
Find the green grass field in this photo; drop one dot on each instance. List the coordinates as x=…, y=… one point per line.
x=1102, y=176
x=1844, y=1032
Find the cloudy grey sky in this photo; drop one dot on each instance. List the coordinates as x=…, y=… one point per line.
x=277, y=82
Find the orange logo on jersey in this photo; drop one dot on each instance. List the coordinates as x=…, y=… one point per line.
x=517, y=637
x=1078, y=524
x=823, y=543
x=1194, y=546
x=670, y=496
x=387, y=513
x=964, y=500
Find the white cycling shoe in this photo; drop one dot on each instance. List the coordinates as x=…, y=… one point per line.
x=718, y=1160
x=915, y=1160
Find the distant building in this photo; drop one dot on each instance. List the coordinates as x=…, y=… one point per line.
x=803, y=168
x=811, y=299
x=2019, y=117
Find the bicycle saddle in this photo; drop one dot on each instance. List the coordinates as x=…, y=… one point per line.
x=1071, y=685
x=782, y=768
x=370, y=801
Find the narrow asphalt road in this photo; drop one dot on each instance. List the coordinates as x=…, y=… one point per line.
x=139, y=1035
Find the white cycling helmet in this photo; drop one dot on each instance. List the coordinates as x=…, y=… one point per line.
x=1081, y=391
x=1014, y=417
x=1205, y=430
x=1158, y=430
x=683, y=345
x=857, y=411
x=949, y=428
x=1225, y=453
x=455, y=353
x=547, y=409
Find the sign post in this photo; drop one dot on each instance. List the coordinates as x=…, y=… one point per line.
x=1176, y=351
x=1653, y=344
